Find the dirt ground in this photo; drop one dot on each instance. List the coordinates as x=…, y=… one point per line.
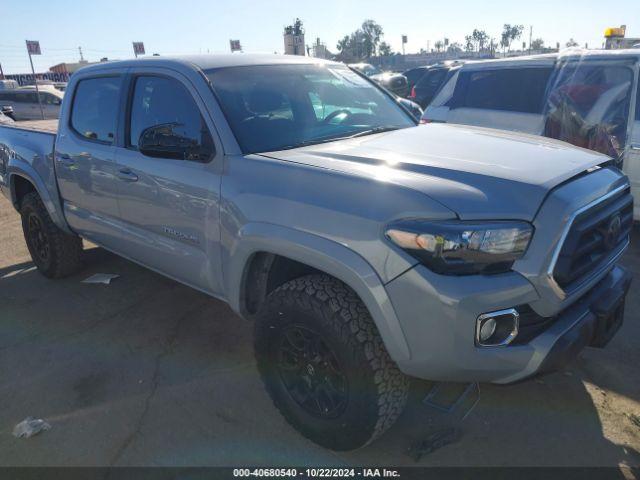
x=148, y=372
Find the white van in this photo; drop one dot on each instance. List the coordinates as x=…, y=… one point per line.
x=25, y=102
x=588, y=98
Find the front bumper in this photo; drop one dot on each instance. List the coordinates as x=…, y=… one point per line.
x=438, y=316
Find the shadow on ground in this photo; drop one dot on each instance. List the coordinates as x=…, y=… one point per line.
x=148, y=372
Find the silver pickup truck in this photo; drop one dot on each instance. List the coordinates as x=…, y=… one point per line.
x=365, y=248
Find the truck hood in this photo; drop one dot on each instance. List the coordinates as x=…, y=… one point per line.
x=478, y=173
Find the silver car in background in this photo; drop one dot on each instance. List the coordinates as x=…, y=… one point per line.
x=24, y=102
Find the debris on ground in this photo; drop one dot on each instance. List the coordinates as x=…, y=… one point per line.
x=635, y=419
x=29, y=427
x=104, y=278
x=448, y=397
x=433, y=442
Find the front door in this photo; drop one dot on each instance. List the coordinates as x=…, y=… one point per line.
x=170, y=202
x=84, y=159
x=632, y=155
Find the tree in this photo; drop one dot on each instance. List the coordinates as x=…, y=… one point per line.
x=372, y=36
x=468, y=43
x=571, y=43
x=384, y=50
x=454, y=47
x=477, y=41
x=537, y=44
x=361, y=44
x=439, y=45
x=480, y=37
x=509, y=34
x=343, y=44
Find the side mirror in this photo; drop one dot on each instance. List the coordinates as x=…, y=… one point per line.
x=161, y=141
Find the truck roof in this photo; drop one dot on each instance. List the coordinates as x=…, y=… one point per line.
x=208, y=62
x=549, y=58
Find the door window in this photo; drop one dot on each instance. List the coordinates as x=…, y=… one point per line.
x=507, y=89
x=160, y=101
x=638, y=103
x=7, y=97
x=25, y=98
x=49, y=99
x=432, y=81
x=588, y=106
x=95, y=108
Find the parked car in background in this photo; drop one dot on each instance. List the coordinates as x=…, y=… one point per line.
x=415, y=74
x=6, y=115
x=429, y=84
x=24, y=102
x=392, y=81
x=62, y=86
x=8, y=85
x=365, y=248
x=413, y=107
x=587, y=98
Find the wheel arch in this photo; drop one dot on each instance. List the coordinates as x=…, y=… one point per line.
x=23, y=182
x=260, y=246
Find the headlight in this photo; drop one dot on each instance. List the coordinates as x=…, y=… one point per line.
x=462, y=248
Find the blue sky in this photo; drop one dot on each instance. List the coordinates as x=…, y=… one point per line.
x=107, y=28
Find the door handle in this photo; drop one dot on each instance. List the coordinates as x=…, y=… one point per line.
x=127, y=175
x=65, y=160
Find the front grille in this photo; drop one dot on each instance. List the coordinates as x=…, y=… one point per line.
x=596, y=236
x=530, y=325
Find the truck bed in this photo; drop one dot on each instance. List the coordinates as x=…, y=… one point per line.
x=42, y=126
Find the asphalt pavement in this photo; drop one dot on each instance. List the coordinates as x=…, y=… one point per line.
x=148, y=372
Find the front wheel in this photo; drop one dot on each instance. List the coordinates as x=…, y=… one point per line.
x=55, y=253
x=324, y=364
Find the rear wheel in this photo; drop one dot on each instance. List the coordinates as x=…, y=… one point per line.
x=55, y=253
x=324, y=364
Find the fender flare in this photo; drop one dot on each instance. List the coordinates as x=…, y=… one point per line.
x=325, y=255
x=53, y=206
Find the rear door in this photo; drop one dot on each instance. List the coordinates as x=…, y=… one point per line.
x=170, y=206
x=29, y=106
x=85, y=158
x=510, y=98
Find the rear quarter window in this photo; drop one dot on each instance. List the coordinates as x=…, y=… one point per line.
x=95, y=108
x=507, y=89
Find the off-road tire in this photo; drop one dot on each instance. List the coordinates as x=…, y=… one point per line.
x=377, y=390
x=64, y=250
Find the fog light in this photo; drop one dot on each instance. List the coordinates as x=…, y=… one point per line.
x=497, y=329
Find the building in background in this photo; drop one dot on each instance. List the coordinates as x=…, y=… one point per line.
x=319, y=50
x=68, y=67
x=294, y=39
x=614, y=38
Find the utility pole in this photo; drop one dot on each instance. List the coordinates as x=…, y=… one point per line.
x=1, y=73
x=81, y=57
x=530, y=37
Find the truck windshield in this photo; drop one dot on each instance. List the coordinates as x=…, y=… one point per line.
x=276, y=107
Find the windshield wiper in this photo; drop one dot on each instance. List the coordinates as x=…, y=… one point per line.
x=380, y=129
x=316, y=141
